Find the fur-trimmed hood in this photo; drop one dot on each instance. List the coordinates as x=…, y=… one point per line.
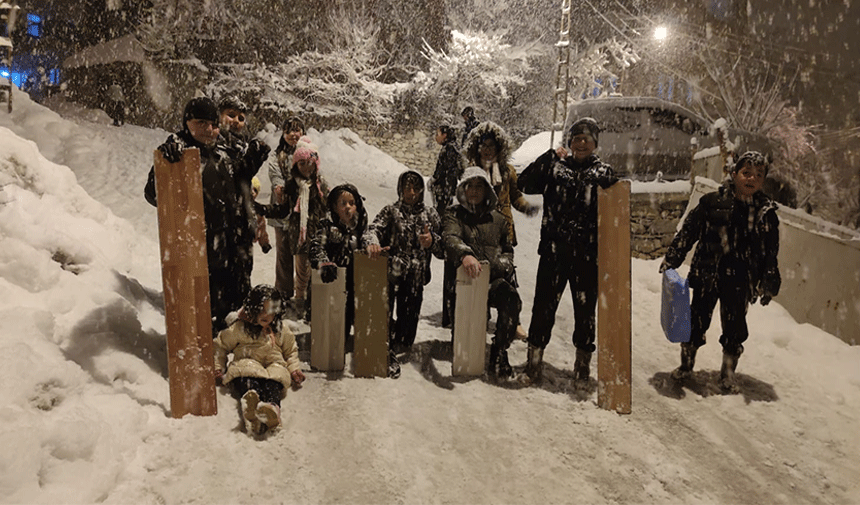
x=487, y=128
x=490, y=198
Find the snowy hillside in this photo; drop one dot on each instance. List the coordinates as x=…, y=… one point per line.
x=84, y=404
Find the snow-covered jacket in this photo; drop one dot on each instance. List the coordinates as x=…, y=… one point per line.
x=726, y=227
x=569, y=189
x=268, y=356
x=253, y=154
x=278, y=165
x=479, y=230
x=334, y=241
x=449, y=169
x=397, y=226
x=506, y=187
x=225, y=214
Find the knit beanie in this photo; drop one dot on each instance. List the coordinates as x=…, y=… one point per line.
x=200, y=108
x=583, y=126
x=232, y=102
x=306, y=150
x=753, y=158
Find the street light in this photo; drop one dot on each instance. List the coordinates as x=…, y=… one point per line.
x=660, y=33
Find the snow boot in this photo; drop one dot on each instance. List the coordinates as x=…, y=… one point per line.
x=688, y=359
x=269, y=414
x=505, y=370
x=393, y=365
x=249, y=412
x=534, y=365
x=728, y=380
x=493, y=365
x=581, y=369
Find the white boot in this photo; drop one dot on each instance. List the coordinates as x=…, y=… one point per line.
x=269, y=414
x=249, y=412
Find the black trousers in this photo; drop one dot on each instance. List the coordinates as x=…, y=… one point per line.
x=449, y=292
x=504, y=298
x=558, y=267
x=731, y=288
x=226, y=293
x=405, y=296
x=269, y=390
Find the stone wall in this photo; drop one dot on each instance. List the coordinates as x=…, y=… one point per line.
x=416, y=149
x=654, y=219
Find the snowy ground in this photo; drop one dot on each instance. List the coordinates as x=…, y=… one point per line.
x=84, y=404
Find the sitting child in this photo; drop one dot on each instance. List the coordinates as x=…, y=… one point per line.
x=409, y=231
x=474, y=231
x=265, y=359
x=337, y=237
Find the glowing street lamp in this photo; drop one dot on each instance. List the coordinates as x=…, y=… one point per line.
x=660, y=33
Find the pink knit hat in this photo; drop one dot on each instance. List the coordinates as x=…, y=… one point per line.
x=306, y=150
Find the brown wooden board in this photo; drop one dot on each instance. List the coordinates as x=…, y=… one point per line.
x=614, y=299
x=185, y=277
x=470, y=323
x=370, y=353
x=328, y=306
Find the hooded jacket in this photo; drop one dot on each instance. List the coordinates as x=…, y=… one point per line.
x=728, y=228
x=479, y=230
x=449, y=169
x=507, y=191
x=397, y=226
x=334, y=241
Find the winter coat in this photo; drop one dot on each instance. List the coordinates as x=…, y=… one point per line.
x=223, y=207
x=480, y=231
x=278, y=166
x=274, y=356
x=398, y=225
x=289, y=215
x=449, y=169
x=569, y=190
x=725, y=227
x=253, y=154
x=335, y=242
x=507, y=190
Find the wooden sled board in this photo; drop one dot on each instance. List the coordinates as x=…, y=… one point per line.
x=185, y=277
x=470, y=323
x=614, y=299
x=328, y=306
x=370, y=353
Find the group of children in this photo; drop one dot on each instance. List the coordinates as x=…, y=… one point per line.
x=471, y=225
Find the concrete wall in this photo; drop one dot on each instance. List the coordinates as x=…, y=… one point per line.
x=416, y=149
x=820, y=267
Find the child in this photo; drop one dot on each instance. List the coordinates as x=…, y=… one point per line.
x=303, y=196
x=409, y=231
x=338, y=236
x=568, y=242
x=443, y=185
x=265, y=359
x=735, y=262
x=474, y=232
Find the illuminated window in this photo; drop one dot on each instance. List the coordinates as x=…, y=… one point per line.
x=34, y=25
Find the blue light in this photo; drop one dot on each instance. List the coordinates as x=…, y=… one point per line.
x=34, y=25
x=4, y=72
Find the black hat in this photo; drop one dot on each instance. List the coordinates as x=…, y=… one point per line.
x=232, y=102
x=586, y=126
x=753, y=158
x=468, y=111
x=200, y=108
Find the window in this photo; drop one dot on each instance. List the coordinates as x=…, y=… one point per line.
x=34, y=25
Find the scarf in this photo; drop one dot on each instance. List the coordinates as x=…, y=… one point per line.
x=495, y=173
x=302, y=208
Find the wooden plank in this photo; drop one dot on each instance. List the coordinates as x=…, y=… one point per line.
x=185, y=278
x=328, y=306
x=470, y=323
x=370, y=353
x=614, y=299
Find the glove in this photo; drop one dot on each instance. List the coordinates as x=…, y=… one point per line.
x=258, y=151
x=171, y=151
x=328, y=272
x=532, y=210
x=765, y=299
x=664, y=266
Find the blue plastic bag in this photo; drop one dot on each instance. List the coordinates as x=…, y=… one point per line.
x=675, y=307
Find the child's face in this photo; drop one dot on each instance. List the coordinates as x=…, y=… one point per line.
x=475, y=191
x=345, y=207
x=306, y=167
x=440, y=137
x=748, y=180
x=232, y=120
x=203, y=131
x=410, y=194
x=267, y=315
x=488, y=150
x=292, y=137
x=582, y=146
